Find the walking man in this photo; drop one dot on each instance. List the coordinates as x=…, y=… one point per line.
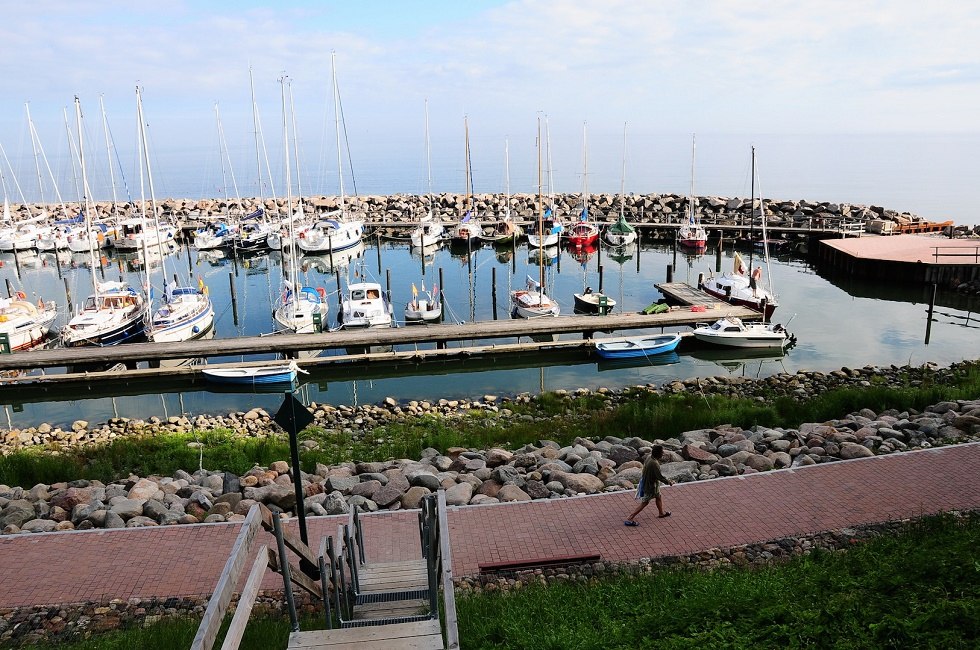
x=649, y=487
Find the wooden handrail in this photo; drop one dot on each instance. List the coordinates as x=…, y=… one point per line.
x=207, y=632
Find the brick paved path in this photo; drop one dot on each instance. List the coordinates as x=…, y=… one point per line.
x=55, y=568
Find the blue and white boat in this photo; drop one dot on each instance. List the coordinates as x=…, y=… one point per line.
x=283, y=374
x=642, y=346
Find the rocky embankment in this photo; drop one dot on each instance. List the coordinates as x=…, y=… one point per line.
x=545, y=470
x=639, y=208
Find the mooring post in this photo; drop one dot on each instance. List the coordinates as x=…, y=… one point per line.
x=10, y=288
x=493, y=290
x=700, y=280
x=68, y=296
x=718, y=257
x=388, y=284
x=340, y=295
x=670, y=273
x=675, y=248
x=234, y=297
x=598, y=257
x=638, y=232
x=330, y=248
x=932, y=305
x=600, y=278
x=378, y=247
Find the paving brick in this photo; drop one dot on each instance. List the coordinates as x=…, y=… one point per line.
x=64, y=567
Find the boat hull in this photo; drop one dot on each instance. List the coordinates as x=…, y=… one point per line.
x=635, y=347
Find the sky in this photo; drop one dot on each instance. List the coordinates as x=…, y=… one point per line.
x=658, y=70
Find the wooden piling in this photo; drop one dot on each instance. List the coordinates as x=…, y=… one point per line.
x=234, y=298
x=600, y=278
x=10, y=289
x=718, y=257
x=68, y=297
x=932, y=305
x=340, y=294
x=493, y=290
x=670, y=273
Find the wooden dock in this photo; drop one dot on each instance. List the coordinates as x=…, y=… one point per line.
x=685, y=294
x=293, y=344
x=903, y=258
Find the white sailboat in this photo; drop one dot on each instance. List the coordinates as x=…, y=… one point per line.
x=299, y=309
x=621, y=233
x=184, y=313
x=744, y=286
x=116, y=312
x=337, y=230
x=532, y=302
x=504, y=231
x=468, y=230
x=425, y=306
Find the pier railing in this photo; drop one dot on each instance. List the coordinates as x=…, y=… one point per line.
x=944, y=252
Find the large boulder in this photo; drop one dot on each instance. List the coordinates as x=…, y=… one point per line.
x=17, y=513
x=512, y=493
x=459, y=494
x=578, y=483
x=849, y=450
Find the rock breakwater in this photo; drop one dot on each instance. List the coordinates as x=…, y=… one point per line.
x=544, y=470
x=648, y=209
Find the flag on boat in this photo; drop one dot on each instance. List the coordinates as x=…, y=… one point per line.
x=415, y=291
x=547, y=213
x=200, y=283
x=466, y=217
x=585, y=215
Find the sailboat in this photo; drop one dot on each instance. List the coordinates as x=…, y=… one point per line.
x=741, y=286
x=532, y=302
x=337, y=230
x=691, y=234
x=621, y=233
x=585, y=231
x=547, y=230
x=115, y=312
x=469, y=230
x=299, y=309
x=504, y=231
x=428, y=232
x=185, y=313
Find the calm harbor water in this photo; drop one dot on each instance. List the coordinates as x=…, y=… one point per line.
x=838, y=322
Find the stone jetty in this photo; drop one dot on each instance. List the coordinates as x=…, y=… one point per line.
x=544, y=470
x=650, y=209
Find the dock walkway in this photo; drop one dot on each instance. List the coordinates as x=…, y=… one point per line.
x=47, y=569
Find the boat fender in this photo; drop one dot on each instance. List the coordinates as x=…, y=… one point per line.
x=196, y=329
x=21, y=295
x=321, y=292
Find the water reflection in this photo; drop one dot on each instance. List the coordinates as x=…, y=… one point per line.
x=838, y=322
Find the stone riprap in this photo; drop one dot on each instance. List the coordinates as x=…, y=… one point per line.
x=639, y=208
x=545, y=470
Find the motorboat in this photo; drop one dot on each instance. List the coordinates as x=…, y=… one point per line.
x=25, y=324
x=637, y=346
x=734, y=333
x=593, y=302
x=365, y=306
x=114, y=314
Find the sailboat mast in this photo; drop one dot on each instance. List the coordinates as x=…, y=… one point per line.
x=108, y=153
x=85, y=196
x=255, y=131
x=149, y=181
x=37, y=162
x=428, y=157
x=540, y=223
x=468, y=181
x=506, y=178
x=752, y=213
x=622, y=183
x=336, y=117
x=690, y=203
x=765, y=237
x=289, y=196
x=585, y=172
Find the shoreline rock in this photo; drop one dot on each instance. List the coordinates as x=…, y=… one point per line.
x=544, y=470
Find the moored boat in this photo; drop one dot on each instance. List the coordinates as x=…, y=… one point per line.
x=734, y=333
x=637, y=346
x=255, y=375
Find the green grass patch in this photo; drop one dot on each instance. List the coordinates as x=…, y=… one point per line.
x=917, y=589
x=554, y=417
x=920, y=589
